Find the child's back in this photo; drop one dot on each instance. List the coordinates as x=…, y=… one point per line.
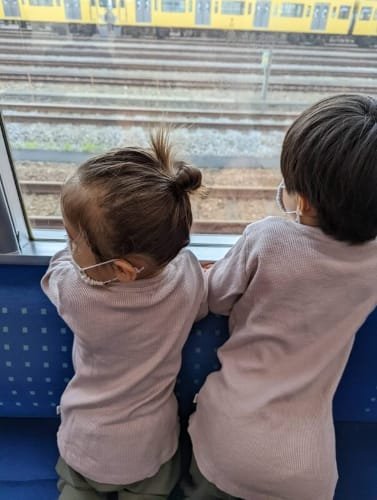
x=263, y=426
x=119, y=413
x=295, y=295
x=130, y=292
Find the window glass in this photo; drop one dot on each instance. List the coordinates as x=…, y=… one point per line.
x=173, y=5
x=233, y=8
x=44, y=3
x=292, y=9
x=344, y=11
x=365, y=13
x=87, y=80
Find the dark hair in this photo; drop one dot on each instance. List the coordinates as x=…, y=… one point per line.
x=329, y=156
x=133, y=201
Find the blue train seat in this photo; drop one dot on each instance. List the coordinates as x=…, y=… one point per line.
x=35, y=365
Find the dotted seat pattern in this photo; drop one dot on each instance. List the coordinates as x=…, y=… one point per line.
x=35, y=355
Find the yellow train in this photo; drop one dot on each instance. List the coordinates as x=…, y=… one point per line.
x=299, y=20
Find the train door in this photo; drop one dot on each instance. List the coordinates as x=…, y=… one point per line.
x=143, y=11
x=320, y=14
x=72, y=9
x=11, y=8
x=203, y=12
x=262, y=14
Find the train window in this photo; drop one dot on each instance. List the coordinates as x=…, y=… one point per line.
x=292, y=9
x=173, y=5
x=233, y=8
x=365, y=13
x=91, y=87
x=41, y=3
x=105, y=3
x=58, y=3
x=344, y=12
x=333, y=12
x=375, y=15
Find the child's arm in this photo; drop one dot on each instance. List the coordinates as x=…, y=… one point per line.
x=55, y=276
x=229, y=278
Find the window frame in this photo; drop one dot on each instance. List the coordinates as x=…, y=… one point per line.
x=24, y=246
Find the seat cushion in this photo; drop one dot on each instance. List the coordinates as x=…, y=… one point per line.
x=357, y=461
x=28, y=455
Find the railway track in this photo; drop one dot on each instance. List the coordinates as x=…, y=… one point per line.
x=228, y=192
x=139, y=116
x=293, y=68
x=266, y=40
x=37, y=76
x=247, y=55
x=199, y=226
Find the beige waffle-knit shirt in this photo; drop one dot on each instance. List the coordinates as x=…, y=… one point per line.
x=263, y=427
x=119, y=420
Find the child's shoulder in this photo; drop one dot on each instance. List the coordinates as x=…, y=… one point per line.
x=267, y=227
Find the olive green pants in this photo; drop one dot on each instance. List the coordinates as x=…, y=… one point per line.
x=197, y=487
x=74, y=486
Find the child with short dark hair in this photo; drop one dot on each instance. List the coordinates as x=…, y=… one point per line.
x=296, y=292
x=130, y=292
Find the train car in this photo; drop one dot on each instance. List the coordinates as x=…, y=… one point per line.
x=300, y=21
x=364, y=28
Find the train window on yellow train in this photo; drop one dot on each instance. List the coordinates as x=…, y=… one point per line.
x=216, y=9
x=292, y=9
x=344, y=12
x=41, y=3
x=375, y=15
x=232, y=7
x=121, y=4
x=308, y=10
x=365, y=13
x=249, y=8
x=190, y=6
x=173, y=5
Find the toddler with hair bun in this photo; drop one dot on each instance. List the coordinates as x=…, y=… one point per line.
x=130, y=292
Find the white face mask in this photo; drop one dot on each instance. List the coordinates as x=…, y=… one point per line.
x=280, y=202
x=87, y=279
x=90, y=281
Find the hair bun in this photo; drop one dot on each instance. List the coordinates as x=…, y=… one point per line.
x=188, y=178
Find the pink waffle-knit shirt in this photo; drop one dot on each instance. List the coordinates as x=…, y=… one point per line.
x=263, y=427
x=119, y=420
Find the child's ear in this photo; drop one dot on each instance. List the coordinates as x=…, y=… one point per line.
x=124, y=271
x=304, y=207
